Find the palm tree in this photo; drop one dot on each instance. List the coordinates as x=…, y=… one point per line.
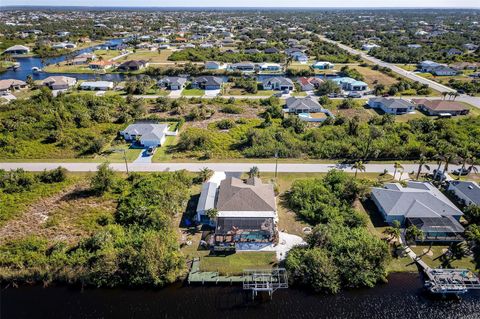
x=421, y=163
x=449, y=158
x=254, y=172
x=397, y=166
x=444, y=94
x=467, y=159
x=455, y=95
x=392, y=232
x=205, y=174
x=358, y=166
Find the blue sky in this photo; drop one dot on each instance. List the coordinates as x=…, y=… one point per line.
x=253, y=3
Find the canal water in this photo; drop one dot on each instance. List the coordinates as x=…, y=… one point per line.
x=403, y=297
x=27, y=63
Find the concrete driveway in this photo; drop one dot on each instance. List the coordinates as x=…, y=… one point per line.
x=212, y=93
x=175, y=94
x=143, y=158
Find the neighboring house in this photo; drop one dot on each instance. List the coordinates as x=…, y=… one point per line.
x=64, y=45
x=272, y=67
x=369, y=46
x=172, y=82
x=322, y=65
x=96, y=85
x=465, y=66
x=302, y=105
x=441, y=107
x=17, y=50
x=101, y=65
x=349, y=84
x=11, y=85
x=243, y=67
x=278, y=83
x=420, y=204
x=252, y=51
x=391, y=106
x=309, y=84
x=212, y=65
x=414, y=46
x=147, y=134
x=467, y=192
x=59, y=82
x=207, y=83
x=271, y=51
x=427, y=66
x=300, y=57
x=132, y=65
x=246, y=213
x=443, y=70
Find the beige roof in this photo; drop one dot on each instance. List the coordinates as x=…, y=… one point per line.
x=441, y=105
x=59, y=80
x=7, y=84
x=235, y=195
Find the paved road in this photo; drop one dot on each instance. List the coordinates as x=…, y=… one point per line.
x=410, y=75
x=225, y=167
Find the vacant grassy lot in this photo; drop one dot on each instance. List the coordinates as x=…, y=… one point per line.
x=193, y=92
x=235, y=264
x=147, y=55
x=373, y=77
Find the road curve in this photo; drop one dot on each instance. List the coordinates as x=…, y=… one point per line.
x=475, y=101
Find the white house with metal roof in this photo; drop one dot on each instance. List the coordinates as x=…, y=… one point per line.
x=468, y=192
x=147, y=134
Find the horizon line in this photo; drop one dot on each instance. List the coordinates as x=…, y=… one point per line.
x=228, y=7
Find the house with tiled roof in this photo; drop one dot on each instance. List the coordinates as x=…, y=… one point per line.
x=441, y=107
x=391, y=106
x=246, y=212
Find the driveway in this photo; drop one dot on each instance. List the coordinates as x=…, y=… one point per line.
x=211, y=93
x=143, y=158
x=175, y=94
x=9, y=97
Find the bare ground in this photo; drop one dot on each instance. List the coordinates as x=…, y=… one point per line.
x=56, y=218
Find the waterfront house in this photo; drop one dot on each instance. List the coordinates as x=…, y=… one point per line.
x=441, y=107
x=270, y=67
x=96, y=85
x=212, y=65
x=101, y=65
x=9, y=85
x=278, y=83
x=243, y=67
x=59, y=82
x=322, y=65
x=17, y=50
x=246, y=213
x=172, y=82
x=349, y=84
x=146, y=134
x=309, y=83
x=300, y=57
x=207, y=83
x=420, y=204
x=467, y=192
x=132, y=65
x=391, y=106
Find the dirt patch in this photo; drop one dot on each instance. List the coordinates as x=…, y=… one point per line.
x=58, y=217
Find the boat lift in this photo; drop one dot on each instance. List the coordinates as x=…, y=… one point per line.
x=268, y=280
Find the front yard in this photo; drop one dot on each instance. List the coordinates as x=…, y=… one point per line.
x=234, y=264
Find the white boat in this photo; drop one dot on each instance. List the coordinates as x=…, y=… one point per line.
x=36, y=70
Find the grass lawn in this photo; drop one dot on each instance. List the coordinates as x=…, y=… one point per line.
x=434, y=260
x=63, y=68
x=161, y=153
x=193, y=92
x=235, y=264
x=301, y=94
x=118, y=156
x=235, y=91
x=407, y=67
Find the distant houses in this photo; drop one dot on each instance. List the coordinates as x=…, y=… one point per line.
x=278, y=83
x=309, y=83
x=96, y=85
x=17, y=50
x=436, y=68
x=59, y=82
x=349, y=84
x=207, y=83
x=391, y=106
x=10, y=85
x=212, y=65
x=172, y=83
x=132, y=65
x=322, y=65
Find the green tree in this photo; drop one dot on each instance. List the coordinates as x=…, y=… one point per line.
x=103, y=180
x=358, y=166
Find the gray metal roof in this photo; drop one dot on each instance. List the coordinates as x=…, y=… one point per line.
x=146, y=130
x=469, y=189
x=235, y=195
x=207, y=197
x=415, y=200
x=294, y=103
x=278, y=79
x=392, y=103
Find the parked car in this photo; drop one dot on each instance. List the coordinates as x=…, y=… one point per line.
x=354, y=95
x=151, y=150
x=438, y=176
x=461, y=171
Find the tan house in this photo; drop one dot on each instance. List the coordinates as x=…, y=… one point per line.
x=441, y=107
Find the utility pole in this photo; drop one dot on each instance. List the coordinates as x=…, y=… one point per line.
x=125, y=158
x=276, y=164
